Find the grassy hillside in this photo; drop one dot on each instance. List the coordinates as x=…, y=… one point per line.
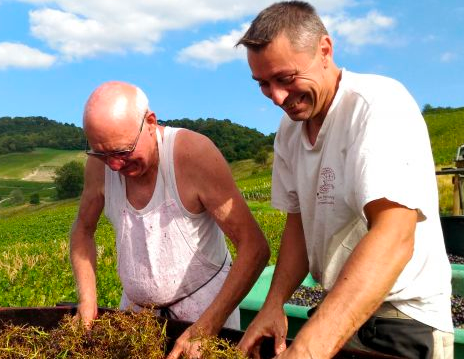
x=38, y=165
x=34, y=260
x=46, y=190
x=446, y=131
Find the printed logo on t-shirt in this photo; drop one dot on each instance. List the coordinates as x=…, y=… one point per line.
x=326, y=187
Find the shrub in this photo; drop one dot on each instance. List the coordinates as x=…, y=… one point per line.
x=35, y=198
x=261, y=157
x=69, y=180
x=17, y=196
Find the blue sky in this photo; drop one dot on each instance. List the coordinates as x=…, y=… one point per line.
x=180, y=52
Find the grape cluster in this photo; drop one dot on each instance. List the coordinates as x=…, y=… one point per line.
x=310, y=297
x=455, y=259
x=457, y=310
x=307, y=296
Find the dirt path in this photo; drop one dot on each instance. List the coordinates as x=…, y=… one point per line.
x=41, y=174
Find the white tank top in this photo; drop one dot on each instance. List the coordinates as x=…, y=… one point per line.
x=165, y=253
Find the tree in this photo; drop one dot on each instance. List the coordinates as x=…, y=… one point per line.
x=69, y=180
x=35, y=198
x=261, y=157
x=427, y=107
x=17, y=196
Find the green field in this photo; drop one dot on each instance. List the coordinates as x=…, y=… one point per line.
x=34, y=263
x=34, y=260
x=39, y=165
x=446, y=131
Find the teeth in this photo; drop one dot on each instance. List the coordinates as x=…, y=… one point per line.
x=293, y=105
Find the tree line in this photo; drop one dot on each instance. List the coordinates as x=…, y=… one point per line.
x=236, y=142
x=24, y=134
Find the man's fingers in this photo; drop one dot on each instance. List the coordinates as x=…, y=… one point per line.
x=279, y=344
x=248, y=343
x=175, y=352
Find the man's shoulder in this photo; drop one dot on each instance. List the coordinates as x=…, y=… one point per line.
x=191, y=148
x=188, y=140
x=371, y=87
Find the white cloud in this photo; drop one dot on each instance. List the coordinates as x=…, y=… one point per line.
x=22, y=56
x=448, y=57
x=79, y=29
x=357, y=32
x=352, y=33
x=77, y=37
x=212, y=52
x=85, y=28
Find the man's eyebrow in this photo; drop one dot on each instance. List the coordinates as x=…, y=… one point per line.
x=277, y=74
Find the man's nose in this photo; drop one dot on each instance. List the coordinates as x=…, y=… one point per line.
x=115, y=163
x=278, y=94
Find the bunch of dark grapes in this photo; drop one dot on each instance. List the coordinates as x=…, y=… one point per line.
x=455, y=259
x=307, y=296
x=310, y=297
x=457, y=309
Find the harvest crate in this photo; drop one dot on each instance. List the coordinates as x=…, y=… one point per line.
x=453, y=233
x=252, y=303
x=458, y=288
x=48, y=318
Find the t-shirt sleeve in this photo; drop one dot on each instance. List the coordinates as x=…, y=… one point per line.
x=391, y=156
x=284, y=195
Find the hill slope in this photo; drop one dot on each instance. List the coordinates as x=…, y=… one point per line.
x=446, y=131
x=38, y=165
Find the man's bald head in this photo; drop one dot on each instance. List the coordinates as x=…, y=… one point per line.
x=119, y=101
x=113, y=111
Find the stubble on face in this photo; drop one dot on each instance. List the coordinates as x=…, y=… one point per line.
x=304, y=96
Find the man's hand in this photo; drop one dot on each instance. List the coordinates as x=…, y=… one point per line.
x=271, y=321
x=188, y=344
x=87, y=312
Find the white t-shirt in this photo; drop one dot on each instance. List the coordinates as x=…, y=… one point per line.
x=373, y=144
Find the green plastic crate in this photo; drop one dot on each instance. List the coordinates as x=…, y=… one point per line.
x=250, y=306
x=458, y=288
x=297, y=315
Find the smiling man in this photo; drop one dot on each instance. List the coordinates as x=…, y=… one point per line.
x=170, y=196
x=354, y=172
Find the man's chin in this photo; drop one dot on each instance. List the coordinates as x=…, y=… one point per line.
x=302, y=116
x=129, y=172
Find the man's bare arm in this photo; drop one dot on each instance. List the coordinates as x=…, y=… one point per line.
x=291, y=269
x=364, y=282
x=82, y=243
x=218, y=193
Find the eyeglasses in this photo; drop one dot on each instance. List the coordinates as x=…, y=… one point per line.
x=117, y=153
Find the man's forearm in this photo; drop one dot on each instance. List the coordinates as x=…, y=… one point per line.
x=83, y=261
x=292, y=262
x=361, y=287
x=247, y=266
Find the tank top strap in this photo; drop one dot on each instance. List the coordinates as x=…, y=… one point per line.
x=163, y=163
x=166, y=160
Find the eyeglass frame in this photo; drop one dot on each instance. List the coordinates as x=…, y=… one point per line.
x=119, y=153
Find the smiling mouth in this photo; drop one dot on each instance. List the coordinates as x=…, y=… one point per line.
x=293, y=105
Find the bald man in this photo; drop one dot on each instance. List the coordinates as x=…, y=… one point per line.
x=170, y=196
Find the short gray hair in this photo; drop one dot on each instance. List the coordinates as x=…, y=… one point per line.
x=298, y=20
x=141, y=102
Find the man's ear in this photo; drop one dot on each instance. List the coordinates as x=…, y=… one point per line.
x=325, y=44
x=151, y=118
